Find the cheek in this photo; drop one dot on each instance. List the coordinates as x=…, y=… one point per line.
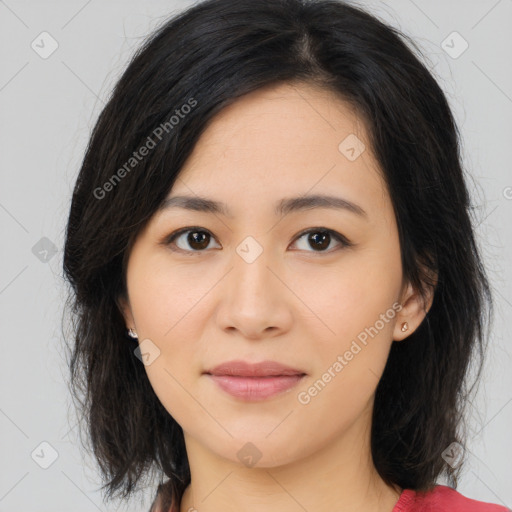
x=350, y=356
x=166, y=302
x=355, y=305
x=355, y=293
x=164, y=297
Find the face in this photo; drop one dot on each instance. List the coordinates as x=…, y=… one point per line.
x=318, y=289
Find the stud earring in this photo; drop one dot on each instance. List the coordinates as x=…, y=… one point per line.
x=405, y=326
x=132, y=333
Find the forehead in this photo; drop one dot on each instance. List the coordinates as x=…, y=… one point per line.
x=281, y=141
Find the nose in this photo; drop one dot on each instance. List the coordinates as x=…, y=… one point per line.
x=255, y=300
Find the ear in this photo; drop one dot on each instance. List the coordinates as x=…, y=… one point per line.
x=123, y=304
x=414, y=308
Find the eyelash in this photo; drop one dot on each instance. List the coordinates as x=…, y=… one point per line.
x=169, y=240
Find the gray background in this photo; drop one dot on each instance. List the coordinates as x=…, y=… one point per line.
x=48, y=108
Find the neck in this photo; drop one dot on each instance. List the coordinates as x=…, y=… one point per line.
x=339, y=476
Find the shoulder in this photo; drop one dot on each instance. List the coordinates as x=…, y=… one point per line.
x=442, y=499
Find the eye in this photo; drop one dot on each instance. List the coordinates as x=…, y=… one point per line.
x=196, y=238
x=321, y=238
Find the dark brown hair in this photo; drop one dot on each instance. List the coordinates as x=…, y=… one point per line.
x=208, y=56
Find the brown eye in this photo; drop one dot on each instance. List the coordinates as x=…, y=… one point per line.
x=320, y=239
x=198, y=240
x=190, y=240
x=194, y=240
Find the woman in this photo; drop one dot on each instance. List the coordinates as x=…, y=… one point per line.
x=276, y=283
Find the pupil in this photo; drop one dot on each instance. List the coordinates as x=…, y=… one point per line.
x=197, y=238
x=320, y=237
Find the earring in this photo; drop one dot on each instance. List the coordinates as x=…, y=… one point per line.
x=132, y=333
x=405, y=326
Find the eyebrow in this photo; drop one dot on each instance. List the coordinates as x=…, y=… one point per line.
x=282, y=207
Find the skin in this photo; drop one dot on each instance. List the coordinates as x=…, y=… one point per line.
x=294, y=304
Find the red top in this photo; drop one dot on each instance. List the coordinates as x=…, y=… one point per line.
x=439, y=499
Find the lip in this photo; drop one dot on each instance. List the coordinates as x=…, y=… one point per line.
x=255, y=381
x=239, y=368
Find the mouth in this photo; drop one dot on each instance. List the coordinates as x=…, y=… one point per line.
x=255, y=381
